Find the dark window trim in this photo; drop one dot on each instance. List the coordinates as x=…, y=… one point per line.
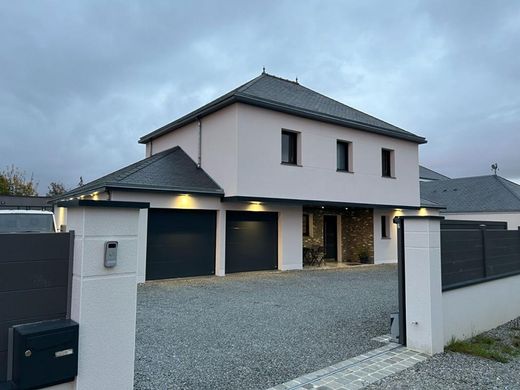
x=293, y=138
x=385, y=227
x=387, y=173
x=348, y=160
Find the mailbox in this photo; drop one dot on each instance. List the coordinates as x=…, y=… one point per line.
x=43, y=353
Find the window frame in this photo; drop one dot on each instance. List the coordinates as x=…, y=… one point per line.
x=390, y=164
x=293, y=137
x=385, y=227
x=348, y=160
x=306, y=225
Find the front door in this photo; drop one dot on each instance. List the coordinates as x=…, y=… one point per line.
x=330, y=237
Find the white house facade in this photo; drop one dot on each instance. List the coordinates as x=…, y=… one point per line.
x=263, y=176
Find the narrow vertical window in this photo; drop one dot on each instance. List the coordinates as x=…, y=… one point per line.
x=386, y=159
x=306, y=227
x=289, y=147
x=343, y=156
x=384, y=227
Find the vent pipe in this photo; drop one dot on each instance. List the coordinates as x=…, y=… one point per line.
x=199, y=159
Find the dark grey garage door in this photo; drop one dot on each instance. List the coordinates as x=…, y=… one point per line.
x=251, y=241
x=181, y=243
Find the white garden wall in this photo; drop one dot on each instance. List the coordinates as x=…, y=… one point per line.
x=480, y=307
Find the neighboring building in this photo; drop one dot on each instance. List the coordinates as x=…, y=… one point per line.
x=247, y=181
x=481, y=198
x=426, y=174
x=25, y=202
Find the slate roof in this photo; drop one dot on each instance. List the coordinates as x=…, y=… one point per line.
x=171, y=170
x=473, y=194
x=428, y=174
x=429, y=204
x=287, y=96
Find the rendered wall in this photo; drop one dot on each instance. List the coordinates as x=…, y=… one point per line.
x=241, y=151
x=512, y=219
x=219, y=146
x=423, y=288
x=104, y=300
x=481, y=307
x=260, y=172
x=385, y=249
x=289, y=225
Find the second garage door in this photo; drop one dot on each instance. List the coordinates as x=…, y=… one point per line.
x=181, y=243
x=251, y=241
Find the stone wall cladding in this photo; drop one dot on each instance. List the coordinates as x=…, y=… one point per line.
x=357, y=231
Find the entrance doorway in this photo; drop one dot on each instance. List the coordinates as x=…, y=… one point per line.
x=330, y=237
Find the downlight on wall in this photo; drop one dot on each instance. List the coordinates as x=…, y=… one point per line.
x=255, y=206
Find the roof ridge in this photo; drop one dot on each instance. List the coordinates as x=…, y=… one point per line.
x=248, y=84
x=500, y=180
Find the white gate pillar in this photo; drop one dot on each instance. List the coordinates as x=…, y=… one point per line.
x=423, y=284
x=104, y=299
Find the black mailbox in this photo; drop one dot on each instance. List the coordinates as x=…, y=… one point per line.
x=43, y=354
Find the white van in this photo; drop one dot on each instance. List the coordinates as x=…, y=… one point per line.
x=27, y=221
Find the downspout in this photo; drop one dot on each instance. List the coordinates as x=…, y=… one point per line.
x=199, y=160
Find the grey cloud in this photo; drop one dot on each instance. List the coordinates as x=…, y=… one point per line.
x=81, y=81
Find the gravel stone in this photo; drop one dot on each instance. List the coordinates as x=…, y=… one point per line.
x=257, y=330
x=454, y=371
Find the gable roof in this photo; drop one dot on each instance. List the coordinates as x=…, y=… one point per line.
x=473, y=194
x=290, y=97
x=429, y=174
x=171, y=170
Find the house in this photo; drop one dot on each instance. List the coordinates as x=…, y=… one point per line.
x=480, y=198
x=247, y=181
x=426, y=174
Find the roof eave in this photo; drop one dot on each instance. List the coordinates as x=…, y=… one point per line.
x=328, y=119
x=209, y=109
x=175, y=190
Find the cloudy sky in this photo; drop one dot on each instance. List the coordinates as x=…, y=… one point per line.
x=81, y=81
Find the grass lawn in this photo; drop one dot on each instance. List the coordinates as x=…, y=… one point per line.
x=501, y=349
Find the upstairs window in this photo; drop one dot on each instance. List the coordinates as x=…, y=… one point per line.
x=344, y=153
x=289, y=147
x=387, y=158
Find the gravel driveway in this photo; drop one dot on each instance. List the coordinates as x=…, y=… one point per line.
x=256, y=330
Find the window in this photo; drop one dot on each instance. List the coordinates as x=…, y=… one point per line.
x=306, y=225
x=385, y=227
x=387, y=163
x=343, y=156
x=289, y=147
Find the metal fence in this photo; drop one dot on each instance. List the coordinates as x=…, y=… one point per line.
x=470, y=256
x=35, y=281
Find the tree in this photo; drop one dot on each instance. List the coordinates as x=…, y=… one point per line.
x=56, y=189
x=4, y=185
x=14, y=182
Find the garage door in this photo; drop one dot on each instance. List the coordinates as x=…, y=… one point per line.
x=251, y=241
x=181, y=243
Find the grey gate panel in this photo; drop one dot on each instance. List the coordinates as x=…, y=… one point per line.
x=35, y=281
